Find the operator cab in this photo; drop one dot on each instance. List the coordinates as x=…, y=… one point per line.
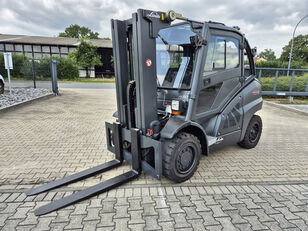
x=175, y=58
x=223, y=72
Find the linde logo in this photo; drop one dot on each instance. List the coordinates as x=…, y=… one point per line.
x=153, y=15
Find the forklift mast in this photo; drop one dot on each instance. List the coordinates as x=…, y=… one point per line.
x=135, y=60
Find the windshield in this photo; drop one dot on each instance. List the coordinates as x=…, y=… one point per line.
x=174, y=57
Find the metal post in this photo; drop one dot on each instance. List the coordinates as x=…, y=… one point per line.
x=54, y=76
x=292, y=81
x=9, y=78
x=276, y=78
x=260, y=73
x=290, y=56
x=33, y=73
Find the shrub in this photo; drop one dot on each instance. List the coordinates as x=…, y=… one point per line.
x=18, y=63
x=66, y=68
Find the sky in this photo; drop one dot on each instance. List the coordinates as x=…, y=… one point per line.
x=265, y=23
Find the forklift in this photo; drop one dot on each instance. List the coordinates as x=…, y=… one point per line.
x=182, y=90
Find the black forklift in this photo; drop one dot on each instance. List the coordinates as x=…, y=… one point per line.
x=182, y=90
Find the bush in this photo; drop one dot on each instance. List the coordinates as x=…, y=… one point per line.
x=67, y=68
x=18, y=63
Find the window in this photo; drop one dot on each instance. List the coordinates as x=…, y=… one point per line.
x=72, y=49
x=18, y=47
x=37, y=48
x=29, y=55
x=207, y=97
x=64, y=50
x=55, y=49
x=1, y=47
x=37, y=55
x=28, y=48
x=223, y=53
x=9, y=47
x=46, y=49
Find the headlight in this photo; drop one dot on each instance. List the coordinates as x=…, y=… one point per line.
x=175, y=105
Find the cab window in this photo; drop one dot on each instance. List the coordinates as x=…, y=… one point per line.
x=222, y=54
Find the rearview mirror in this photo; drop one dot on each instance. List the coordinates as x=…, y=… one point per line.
x=254, y=51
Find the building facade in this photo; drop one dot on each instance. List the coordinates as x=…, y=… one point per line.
x=36, y=47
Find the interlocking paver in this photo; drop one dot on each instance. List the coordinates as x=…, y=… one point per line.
x=232, y=188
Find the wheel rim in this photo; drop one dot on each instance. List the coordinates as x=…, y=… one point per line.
x=186, y=159
x=254, y=133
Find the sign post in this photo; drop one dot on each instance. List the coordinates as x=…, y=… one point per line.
x=8, y=63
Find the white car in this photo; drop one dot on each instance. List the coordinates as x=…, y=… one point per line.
x=1, y=84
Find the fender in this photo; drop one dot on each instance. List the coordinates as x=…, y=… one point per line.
x=175, y=125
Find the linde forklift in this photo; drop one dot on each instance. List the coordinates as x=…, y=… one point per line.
x=182, y=90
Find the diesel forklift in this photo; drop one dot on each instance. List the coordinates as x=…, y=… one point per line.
x=182, y=90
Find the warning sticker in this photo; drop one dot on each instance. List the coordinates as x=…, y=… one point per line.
x=148, y=62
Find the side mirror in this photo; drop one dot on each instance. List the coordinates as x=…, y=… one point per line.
x=254, y=51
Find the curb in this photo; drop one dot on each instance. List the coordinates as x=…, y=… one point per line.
x=24, y=103
x=286, y=108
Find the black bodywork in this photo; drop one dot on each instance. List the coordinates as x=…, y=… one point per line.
x=213, y=101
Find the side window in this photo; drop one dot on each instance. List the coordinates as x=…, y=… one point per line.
x=223, y=53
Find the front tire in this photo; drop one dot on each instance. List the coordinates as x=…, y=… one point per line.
x=181, y=157
x=253, y=133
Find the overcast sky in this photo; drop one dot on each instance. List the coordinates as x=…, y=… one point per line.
x=266, y=23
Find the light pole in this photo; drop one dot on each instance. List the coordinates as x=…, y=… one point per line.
x=290, y=56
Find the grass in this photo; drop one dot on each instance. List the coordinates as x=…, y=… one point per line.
x=285, y=100
x=89, y=80
x=79, y=80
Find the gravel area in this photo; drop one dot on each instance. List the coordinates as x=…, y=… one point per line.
x=21, y=95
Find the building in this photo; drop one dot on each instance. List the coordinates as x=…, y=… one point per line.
x=35, y=47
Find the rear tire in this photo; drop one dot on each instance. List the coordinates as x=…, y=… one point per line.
x=253, y=133
x=182, y=157
x=1, y=87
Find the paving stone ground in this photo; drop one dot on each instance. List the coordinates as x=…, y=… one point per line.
x=265, y=188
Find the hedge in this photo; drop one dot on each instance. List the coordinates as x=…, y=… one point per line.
x=66, y=68
x=283, y=83
x=18, y=62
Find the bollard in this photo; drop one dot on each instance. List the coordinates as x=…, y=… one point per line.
x=54, y=77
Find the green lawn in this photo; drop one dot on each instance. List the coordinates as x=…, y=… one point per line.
x=89, y=80
x=79, y=80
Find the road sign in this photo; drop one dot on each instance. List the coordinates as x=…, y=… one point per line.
x=8, y=62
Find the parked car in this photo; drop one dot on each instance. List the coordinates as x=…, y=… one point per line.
x=1, y=84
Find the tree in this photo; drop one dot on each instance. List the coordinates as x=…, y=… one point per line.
x=86, y=56
x=300, y=49
x=267, y=54
x=80, y=32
